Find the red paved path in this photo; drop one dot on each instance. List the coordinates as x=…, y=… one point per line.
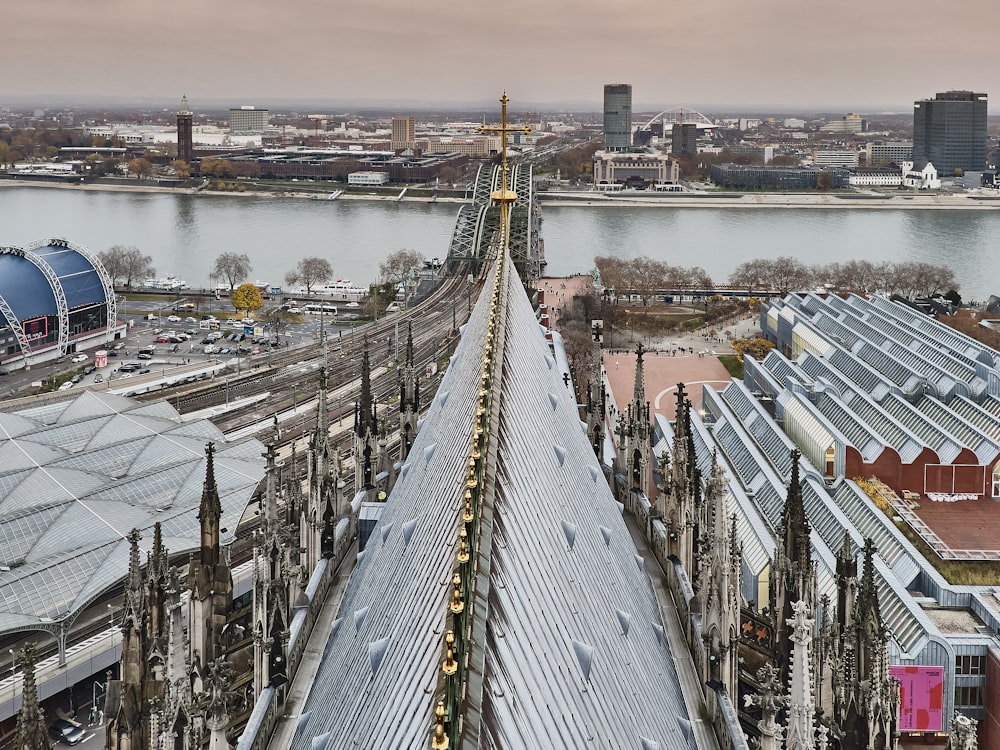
x=662, y=374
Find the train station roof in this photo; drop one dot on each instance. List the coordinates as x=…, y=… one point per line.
x=77, y=476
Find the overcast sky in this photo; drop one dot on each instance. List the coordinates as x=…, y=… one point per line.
x=858, y=55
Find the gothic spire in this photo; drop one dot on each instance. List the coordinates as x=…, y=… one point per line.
x=409, y=343
x=801, y=701
x=210, y=512
x=31, y=731
x=794, y=525
x=271, y=492
x=132, y=608
x=639, y=393
x=322, y=420
x=868, y=593
x=364, y=420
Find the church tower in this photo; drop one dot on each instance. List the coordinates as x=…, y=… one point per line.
x=32, y=733
x=185, y=137
x=409, y=398
x=793, y=578
x=366, y=449
x=209, y=579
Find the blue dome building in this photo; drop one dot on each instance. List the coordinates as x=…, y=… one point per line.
x=52, y=293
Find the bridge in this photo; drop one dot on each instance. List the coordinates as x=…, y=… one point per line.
x=478, y=221
x=679, y=115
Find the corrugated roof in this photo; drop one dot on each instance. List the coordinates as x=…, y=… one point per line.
x=559, y=671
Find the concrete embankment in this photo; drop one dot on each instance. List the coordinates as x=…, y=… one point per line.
x=938, y=201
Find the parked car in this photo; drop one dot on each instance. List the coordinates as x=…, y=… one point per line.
x=112, y=352
x=145, y=355
x=66, y=731
x=98, y=378
x=4, y=371
x=88, y=369
x=67, y=385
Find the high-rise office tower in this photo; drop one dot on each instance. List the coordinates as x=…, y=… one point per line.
x=185, y=139
x=684, y=139
x=248, y=119
x=617, y=116
x=950, y=131
x=404, y=132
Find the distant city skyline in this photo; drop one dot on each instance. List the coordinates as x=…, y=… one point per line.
x=771, y=54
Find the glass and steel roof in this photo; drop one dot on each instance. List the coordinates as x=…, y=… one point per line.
x=77, y=476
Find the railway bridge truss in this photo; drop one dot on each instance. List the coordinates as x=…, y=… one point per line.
x=478, y=221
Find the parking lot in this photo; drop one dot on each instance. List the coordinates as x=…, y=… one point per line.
x=158, y=344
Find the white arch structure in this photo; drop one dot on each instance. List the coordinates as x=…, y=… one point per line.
x=62, y=306
x=679, y=115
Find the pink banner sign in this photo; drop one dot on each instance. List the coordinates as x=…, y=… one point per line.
x=921, y=697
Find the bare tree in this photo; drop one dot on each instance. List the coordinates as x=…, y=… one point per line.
x=852, y=275
x=309, y=273
x=646, y=277
x=126, y=263
x=233, y=267
x=400, y=265
x=783, y=274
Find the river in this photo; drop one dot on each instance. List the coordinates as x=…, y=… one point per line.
x=184, y=233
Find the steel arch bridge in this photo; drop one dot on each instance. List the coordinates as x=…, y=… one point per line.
x=679, y=115
x=479, y=221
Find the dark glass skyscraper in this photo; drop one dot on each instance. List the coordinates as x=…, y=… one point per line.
x=617, y=116
x=950, y=132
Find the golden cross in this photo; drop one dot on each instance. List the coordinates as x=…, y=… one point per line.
x=504, y=197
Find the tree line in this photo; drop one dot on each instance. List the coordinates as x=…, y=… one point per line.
x=126, y=264
x=646, y=277
x=785, y=274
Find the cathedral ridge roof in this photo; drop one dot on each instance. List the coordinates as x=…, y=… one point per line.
x=560, y=668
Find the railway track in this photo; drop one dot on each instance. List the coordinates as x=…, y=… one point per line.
x=292, y=378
